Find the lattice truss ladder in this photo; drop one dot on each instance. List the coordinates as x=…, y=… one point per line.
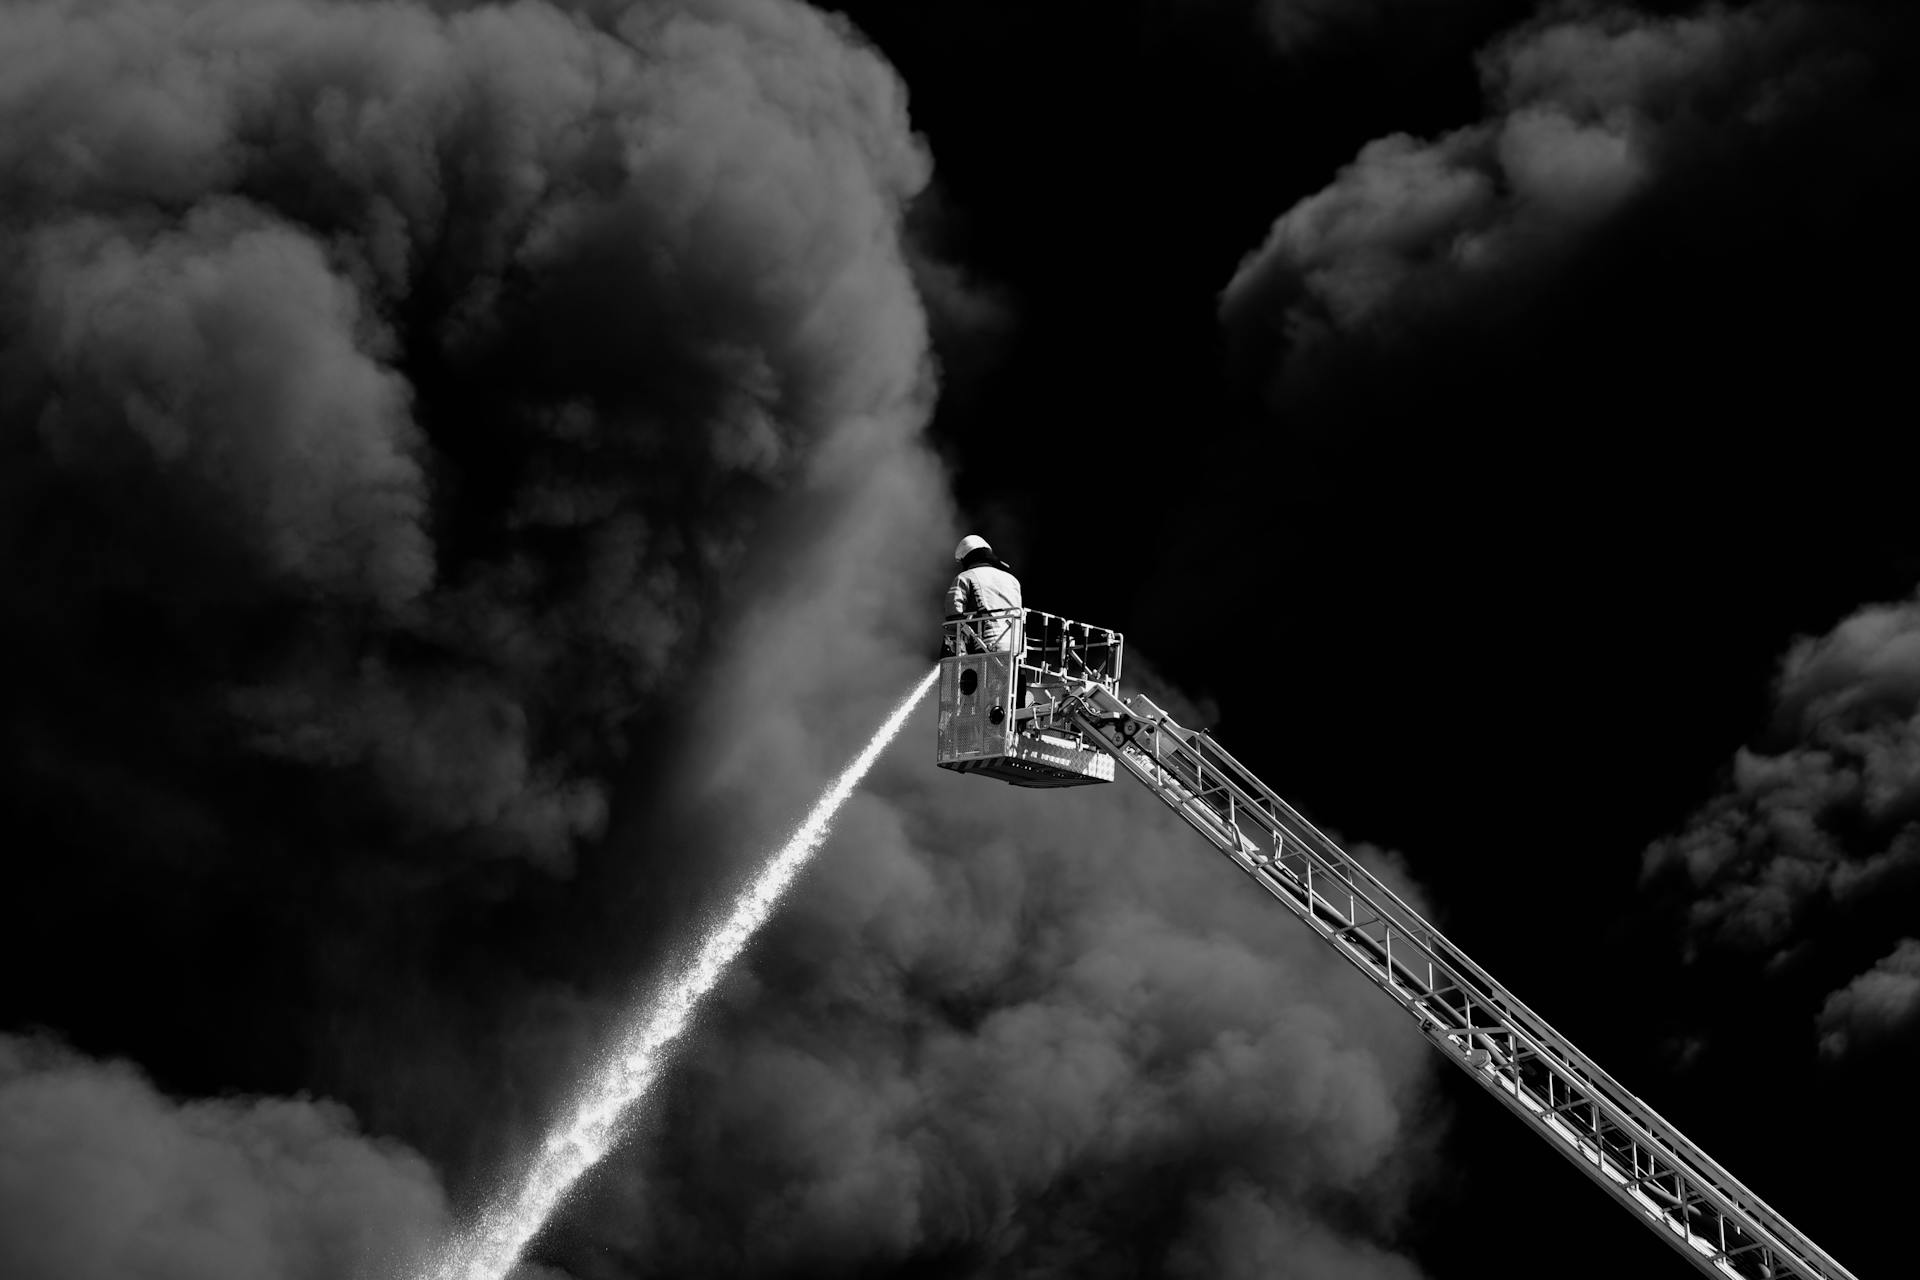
x=1618, y=1141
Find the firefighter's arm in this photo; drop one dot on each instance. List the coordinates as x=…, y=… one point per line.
x=956, y=609
x=946, y=649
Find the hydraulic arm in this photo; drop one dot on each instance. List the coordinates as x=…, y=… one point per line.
x=1614, y=1138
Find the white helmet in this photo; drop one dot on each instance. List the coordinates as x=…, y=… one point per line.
x=968, y=545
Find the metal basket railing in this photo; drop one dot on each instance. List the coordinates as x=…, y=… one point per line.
x=1058, y=649
x=990, y=631
x=1053, y=650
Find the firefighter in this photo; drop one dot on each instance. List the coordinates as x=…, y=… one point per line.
x=983, y=584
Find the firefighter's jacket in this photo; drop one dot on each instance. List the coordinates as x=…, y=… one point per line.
x=983, y=588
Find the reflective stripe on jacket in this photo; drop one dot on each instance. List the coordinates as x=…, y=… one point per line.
x=984, y=588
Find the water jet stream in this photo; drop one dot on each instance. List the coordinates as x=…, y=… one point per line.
x=578, y=1141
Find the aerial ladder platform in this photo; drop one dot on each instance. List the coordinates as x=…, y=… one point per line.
x=1034, y=699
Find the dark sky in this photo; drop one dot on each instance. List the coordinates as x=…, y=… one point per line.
x=469, y=475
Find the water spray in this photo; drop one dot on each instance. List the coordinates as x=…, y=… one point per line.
x=579, y=1140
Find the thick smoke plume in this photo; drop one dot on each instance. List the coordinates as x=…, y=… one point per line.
x=1881, y=1004
x=1036, y=1034
x=105, y=1177
x=281, y=259
x=1813, y=851
x=463, y=496
x=399, y=400
x=1589, y=106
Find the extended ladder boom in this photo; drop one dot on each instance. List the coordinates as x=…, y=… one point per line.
x=1582, y=1112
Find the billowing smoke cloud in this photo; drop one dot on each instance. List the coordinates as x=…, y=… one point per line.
x=1588, y=106
x=102, y=1176
x=451, y=448
x=1816, y=842
x=399, y=400
x=1034, y=1034
x=226, y=352
x=1881, y=1004
x=1247, y=1235
x=1826, y=818
x=281, y=260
